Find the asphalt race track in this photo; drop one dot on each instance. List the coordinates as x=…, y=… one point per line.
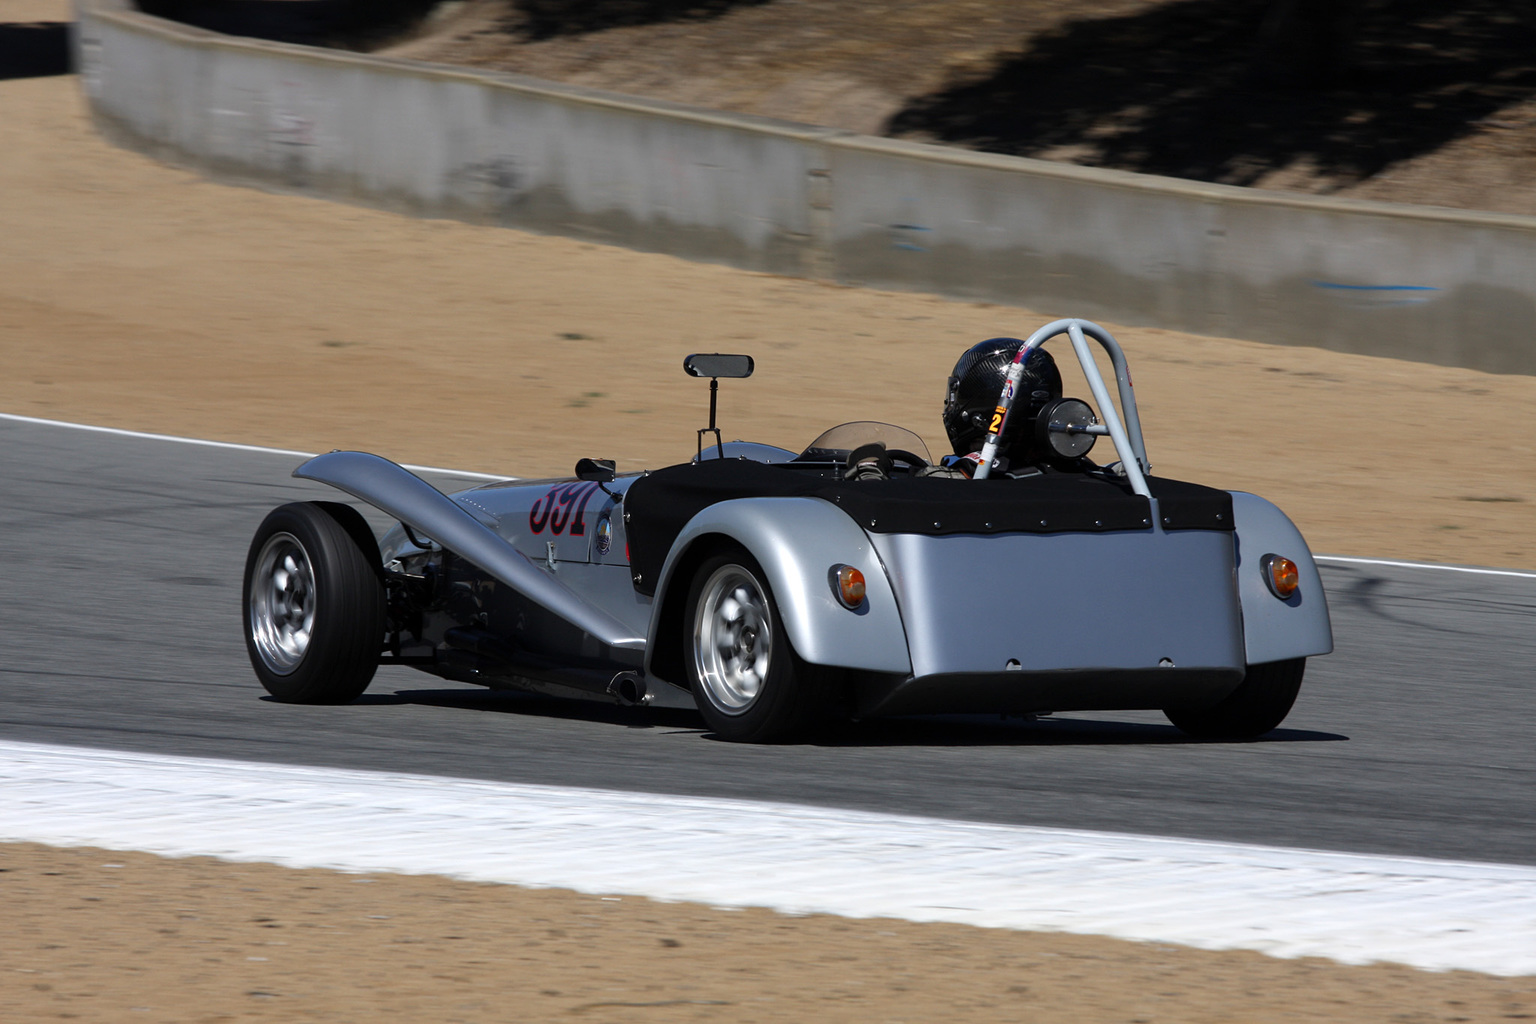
x=121, y=613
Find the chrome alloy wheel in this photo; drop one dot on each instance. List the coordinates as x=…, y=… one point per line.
x=732, y=639
x=282, y=603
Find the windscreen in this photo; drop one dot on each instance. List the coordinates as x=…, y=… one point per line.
x=845, y=437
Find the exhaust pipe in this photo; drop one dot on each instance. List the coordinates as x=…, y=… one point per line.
x=629, y=689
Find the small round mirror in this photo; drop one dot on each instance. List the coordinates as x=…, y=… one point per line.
x=1063, y=427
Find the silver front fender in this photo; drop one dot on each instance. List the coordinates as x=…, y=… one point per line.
x=410, y=499
x=796, y=541
x=1275, y=630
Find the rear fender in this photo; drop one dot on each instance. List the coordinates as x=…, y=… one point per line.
x=410, y=499
x=796, y=541
x=1275, y=630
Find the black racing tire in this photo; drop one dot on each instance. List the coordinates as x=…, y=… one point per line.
x=313, y=603
x=750, y=685
x=1259, y=704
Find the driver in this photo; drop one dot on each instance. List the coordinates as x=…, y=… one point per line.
x=974, y=387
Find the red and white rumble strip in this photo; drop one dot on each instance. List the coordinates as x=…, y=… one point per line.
x=1353, y=908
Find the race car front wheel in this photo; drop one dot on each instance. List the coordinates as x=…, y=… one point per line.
x=314, y=604
x=750, y=685
x=1259, y=704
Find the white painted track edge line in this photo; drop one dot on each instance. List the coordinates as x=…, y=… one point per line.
x=1474, y=569
x=142, y=435
x=231, y=445
x=340, y=777
x=1354, y=908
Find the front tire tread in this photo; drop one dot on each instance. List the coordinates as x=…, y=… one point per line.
x=343, y=650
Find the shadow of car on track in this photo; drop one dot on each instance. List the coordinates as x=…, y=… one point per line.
x=1052, y=731
x=537, y=706
x=926, y=731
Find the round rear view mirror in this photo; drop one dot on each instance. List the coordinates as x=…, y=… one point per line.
x=1063, y=427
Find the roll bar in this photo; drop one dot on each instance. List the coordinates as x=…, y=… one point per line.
x=1125, y=434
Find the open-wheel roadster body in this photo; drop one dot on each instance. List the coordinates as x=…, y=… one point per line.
x=775, y=590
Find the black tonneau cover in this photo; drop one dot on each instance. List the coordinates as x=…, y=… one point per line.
x=660, y=504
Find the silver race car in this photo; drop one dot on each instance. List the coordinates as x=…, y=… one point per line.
x=777, y=590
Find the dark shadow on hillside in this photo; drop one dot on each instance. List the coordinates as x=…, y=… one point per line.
x=349, y=24
x=34, y=49
x=544, y=19
x=1189, y=89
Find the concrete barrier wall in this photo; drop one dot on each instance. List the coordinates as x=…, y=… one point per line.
x=1439, y=286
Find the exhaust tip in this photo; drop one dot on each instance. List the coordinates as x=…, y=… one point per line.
x=629, y=689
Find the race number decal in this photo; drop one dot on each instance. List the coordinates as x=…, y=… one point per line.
x=563, y=506
x=560, y=513
x=578, y=523
x=997, y=420
x=538, y=515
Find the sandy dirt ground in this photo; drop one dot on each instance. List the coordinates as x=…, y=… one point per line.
x=98, y=936
x=138, y=296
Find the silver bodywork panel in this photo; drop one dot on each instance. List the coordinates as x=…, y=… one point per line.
x=412, y=500
x=1275, y=630
x=797, y=541
x=532, y=515
x=1024, y=602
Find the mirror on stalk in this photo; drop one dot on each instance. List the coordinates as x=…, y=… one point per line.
x=1068, y=426
x=600, y=470
x=717, y=364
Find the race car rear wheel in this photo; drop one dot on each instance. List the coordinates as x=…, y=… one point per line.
x=1259, y=704
x=750, y=685
x=314, y=603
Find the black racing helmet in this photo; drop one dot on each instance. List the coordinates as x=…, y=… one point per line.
x=975, y=385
